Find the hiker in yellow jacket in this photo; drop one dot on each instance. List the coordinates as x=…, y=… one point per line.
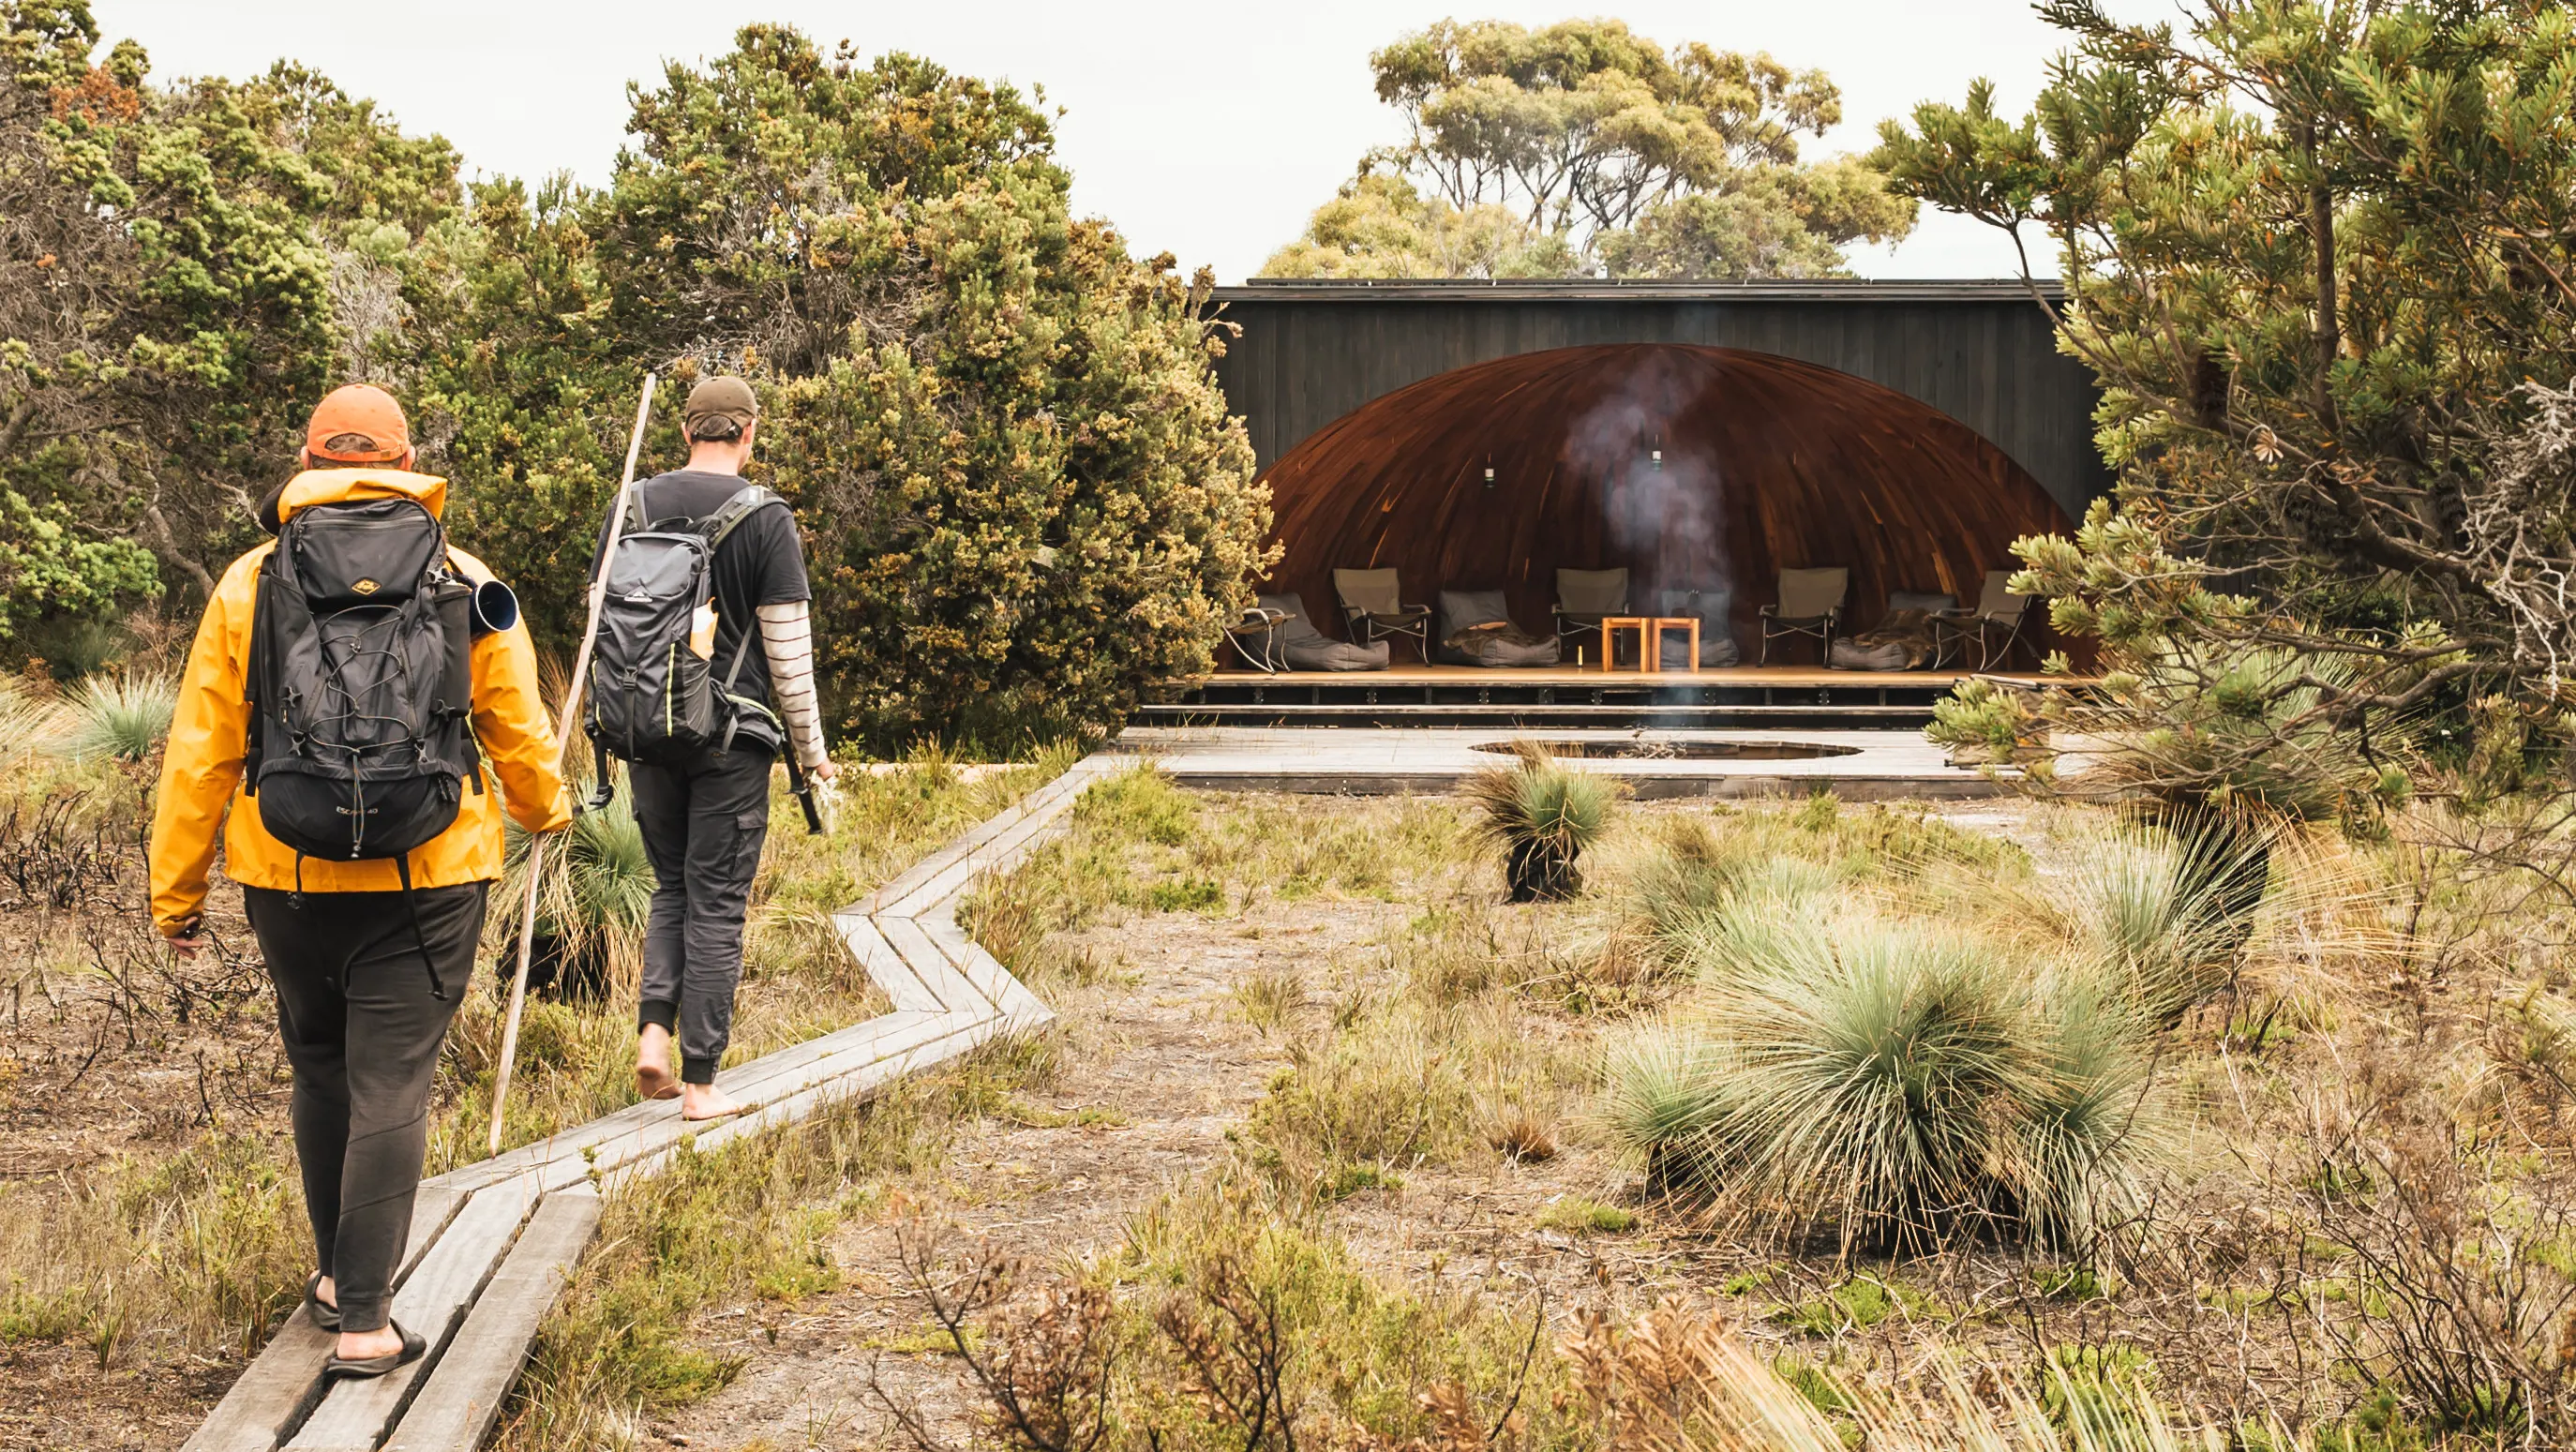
x=345, y=942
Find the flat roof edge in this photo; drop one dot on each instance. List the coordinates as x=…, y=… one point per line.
x=1839, y=290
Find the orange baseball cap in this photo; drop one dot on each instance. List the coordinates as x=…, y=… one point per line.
x=358, y=424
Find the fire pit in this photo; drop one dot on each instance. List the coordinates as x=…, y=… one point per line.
x=1643, y=749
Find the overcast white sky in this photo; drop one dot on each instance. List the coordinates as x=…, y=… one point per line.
x=1209, y=130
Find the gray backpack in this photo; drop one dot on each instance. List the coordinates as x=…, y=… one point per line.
x=650, y=697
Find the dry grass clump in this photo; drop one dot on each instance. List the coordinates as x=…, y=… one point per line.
x=1227, y=1321
x=195, y=1253
x=1677, y=1380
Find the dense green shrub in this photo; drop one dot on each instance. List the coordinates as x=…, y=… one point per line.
x=229, y=247
x=1023, y=498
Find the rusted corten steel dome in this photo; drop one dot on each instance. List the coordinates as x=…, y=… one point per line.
x=1766, y=463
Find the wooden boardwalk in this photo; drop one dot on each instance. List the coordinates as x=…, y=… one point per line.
x=492, y=1243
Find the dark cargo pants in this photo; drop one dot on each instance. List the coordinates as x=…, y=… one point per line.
x=363, y=1032
x=703, y=820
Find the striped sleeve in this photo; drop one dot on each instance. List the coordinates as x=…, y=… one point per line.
x=787, y=644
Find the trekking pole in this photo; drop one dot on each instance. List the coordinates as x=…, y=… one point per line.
x=563, y=726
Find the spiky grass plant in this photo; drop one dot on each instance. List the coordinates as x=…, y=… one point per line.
x=591, y=907
x=1900, y=1081
x=1662, y=1091
x=1543, y=815
x=124, y=715
x=2166, y=908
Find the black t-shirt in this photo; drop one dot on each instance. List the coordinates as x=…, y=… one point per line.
x=760, y=563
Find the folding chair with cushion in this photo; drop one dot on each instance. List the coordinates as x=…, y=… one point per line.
x=1476, y=629
x=1292, y=641
x=1811, y=604
x=1584, y=598
x=1713, y=609
x=1373, y=609
x=1999, y=613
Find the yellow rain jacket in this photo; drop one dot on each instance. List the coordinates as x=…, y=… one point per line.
x=201, y=776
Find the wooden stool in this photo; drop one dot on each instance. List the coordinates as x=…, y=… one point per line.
x=1641, y=624
x=1654, y=640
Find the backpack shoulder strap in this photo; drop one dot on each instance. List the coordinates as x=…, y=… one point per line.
x=637, y=521
x=747, y=501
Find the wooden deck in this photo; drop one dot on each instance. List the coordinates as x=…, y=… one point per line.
x=1594, y=678
x=492, y=1243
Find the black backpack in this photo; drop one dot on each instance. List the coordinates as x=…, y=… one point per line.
x=361, y=687
x=650, y=697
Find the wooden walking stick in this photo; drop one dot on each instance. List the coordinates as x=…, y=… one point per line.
x=564, y=723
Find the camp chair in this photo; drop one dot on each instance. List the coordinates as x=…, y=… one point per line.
x=1811, y=604
x=1998, y=610
x=1584, y=598
x=1373, y=609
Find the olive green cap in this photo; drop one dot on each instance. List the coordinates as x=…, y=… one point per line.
x=720, y=397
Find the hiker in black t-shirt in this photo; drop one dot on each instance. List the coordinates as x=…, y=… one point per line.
x=704, y=818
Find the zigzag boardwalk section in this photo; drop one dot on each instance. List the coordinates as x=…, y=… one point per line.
x=493, y=1243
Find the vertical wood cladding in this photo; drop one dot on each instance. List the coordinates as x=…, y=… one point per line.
x=1981, y=353
x=1767, y=463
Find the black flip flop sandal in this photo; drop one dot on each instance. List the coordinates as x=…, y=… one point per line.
x=316, y=1310
x=361, y=1367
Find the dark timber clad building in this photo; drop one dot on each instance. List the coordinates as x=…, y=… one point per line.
x=1982, y=352
x=1907, y=429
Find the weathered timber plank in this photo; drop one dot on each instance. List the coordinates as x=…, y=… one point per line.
x=604, y=1136
x=1005, y=992
x=272, y=1392
x=354, y=1415
x=1003, y=847
x=906, y=883
x=885, y=967
x=857, y=1084
x=455, y=1411
x=283, y=1381
x=859, y=1044
x=931, y=961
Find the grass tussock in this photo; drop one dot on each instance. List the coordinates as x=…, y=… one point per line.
x=123, y=716
x=1543, y=815
x=1905, y=1083
x=198, y=1253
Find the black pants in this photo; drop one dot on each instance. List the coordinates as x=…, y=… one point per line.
x=703, y=822
x=363, y=1032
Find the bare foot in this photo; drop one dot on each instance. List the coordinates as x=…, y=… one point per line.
x=327, y=1293
x=359, y=1345
x=706, y=1101
x=653, y=1076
